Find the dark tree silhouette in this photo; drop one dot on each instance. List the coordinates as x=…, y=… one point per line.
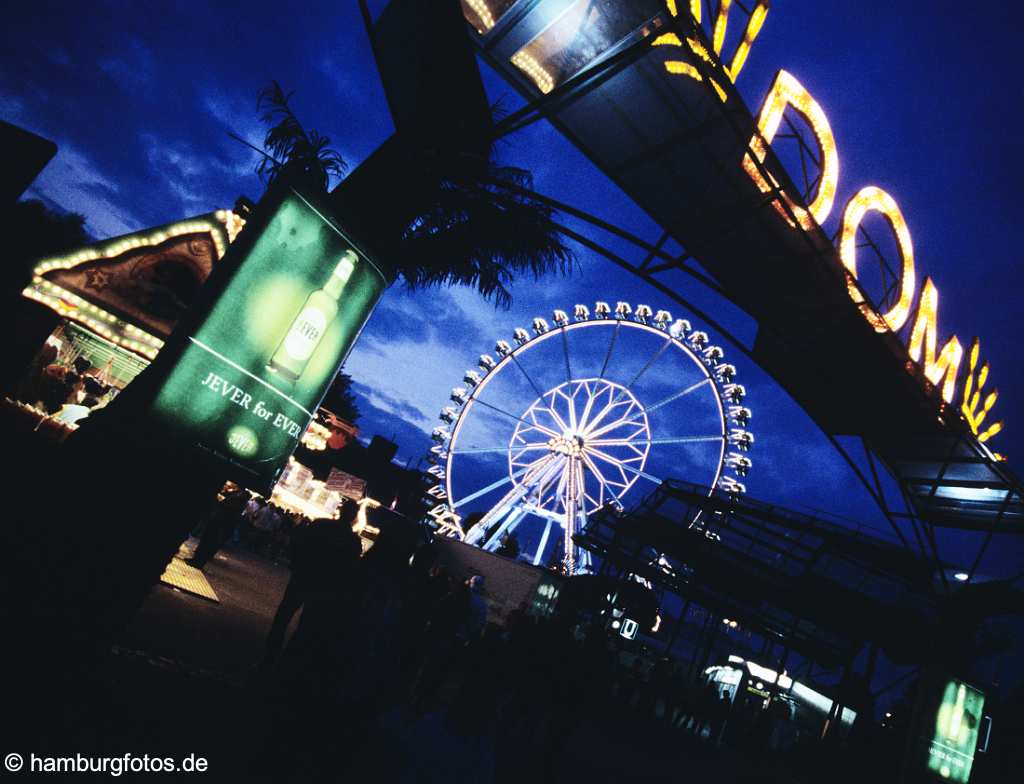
x=35, y=231
x=475, y=230
x=340, y=400
x=303, y=158
x=438, y=218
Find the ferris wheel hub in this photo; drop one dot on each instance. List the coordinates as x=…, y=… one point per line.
x=569, y=444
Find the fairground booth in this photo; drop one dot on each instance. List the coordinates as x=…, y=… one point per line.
x=95, y=316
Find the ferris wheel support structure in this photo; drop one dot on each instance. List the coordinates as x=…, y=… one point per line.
x=586, y=441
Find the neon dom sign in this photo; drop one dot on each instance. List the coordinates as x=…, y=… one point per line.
x=941, y=366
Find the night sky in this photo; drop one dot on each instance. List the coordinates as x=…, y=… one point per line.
x=924, y=102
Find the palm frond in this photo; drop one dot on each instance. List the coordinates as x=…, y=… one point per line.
x=303, y=157
x=477, y=234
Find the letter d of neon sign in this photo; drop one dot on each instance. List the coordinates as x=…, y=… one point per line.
x=787, y=91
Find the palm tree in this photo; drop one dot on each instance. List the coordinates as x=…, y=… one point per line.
x=303, y=158
x=436, y=217
x=478, y=228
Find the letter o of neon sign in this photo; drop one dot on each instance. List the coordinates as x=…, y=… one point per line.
x=875, y=199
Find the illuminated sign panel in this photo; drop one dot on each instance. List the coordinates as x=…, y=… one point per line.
x=940, y=366
x=569, y=36
x=956, y=723
x=251, y=374
x=940, y=369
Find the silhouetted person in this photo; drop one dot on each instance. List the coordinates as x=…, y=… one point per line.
x=57, y=382
x=315, y=676
x=252, y=507
x=219, y=528
x=707, y=705
x=476, y=615
x=720, y=714
x=266, y=522
x=444, y=637
x=509, y=546
x=32, y=387
x=425, y=584
x=73, y=413
x=325, y=554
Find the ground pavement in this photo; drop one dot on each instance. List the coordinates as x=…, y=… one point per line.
x=183, y=679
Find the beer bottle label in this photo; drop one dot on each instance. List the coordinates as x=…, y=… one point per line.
x=305, y=333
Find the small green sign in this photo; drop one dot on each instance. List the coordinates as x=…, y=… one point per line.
x=253, y=372
x=951, y=751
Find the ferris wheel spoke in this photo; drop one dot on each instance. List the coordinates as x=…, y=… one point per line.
x=657, y=354
x=589, y=431
x=654, y=441
x=533, y=384
x=612, y=481
x=611, y=347
x=585, y=416
x=572, y=410
x=517, y=461
x=565, y=349
x=623, y=466
x=625, y=419
x=672, y=398
x=605, y=485
x=484, y=450
x=546, y=431
x=558, y=420
x=491, y=487
x=635, y=436
x=623, y=422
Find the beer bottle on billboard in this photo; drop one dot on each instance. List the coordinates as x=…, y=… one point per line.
x=310, y=325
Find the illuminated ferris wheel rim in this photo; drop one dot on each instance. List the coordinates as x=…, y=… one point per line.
x=540, y=337
x=716, y=374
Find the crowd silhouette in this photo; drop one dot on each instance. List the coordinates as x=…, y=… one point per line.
x=389, y=641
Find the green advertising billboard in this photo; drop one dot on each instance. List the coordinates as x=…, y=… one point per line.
x=955, y=737
x=251, y=374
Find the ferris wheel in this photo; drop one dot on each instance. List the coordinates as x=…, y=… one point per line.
x=580, y=414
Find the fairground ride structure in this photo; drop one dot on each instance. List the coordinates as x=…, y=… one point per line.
x=583, y=442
